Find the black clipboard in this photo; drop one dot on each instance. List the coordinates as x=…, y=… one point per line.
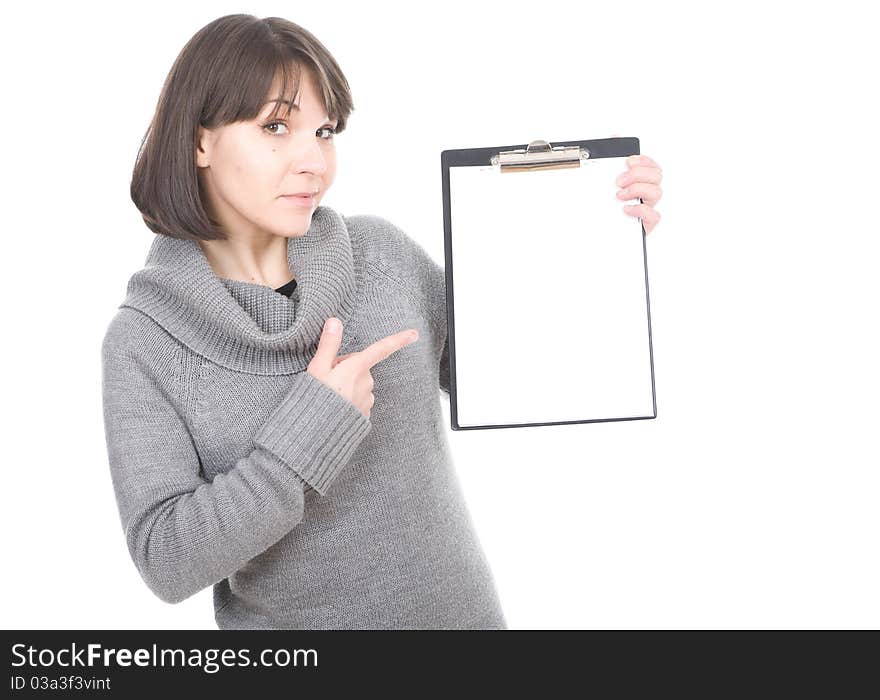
x=520, y=223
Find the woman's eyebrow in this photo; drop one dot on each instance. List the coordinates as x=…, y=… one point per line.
x=291, y=104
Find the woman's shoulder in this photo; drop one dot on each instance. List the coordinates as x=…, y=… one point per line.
x=133, y=336
x=386, y=246
x=379, y=239
x=130, y=328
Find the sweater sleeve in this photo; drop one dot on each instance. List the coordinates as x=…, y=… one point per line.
x=185, y=533
x=407, y=261
x=444, y=367
x=433, y=288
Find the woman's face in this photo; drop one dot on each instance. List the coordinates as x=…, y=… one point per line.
x=246, y=167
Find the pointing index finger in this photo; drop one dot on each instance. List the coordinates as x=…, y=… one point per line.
x=381, y=349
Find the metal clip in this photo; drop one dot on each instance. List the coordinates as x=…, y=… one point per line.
x=539, y=155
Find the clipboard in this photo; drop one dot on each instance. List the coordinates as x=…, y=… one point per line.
x=548, y=310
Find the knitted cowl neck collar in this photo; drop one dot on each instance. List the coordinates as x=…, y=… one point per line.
x=245, y=326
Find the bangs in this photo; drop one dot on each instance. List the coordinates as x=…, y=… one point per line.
x=245, y=99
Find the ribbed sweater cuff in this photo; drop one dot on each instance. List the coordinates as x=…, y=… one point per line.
x=314, y=430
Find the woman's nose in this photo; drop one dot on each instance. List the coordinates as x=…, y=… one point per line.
x=308, y=156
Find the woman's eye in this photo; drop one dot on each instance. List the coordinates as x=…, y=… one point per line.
x=266, y=126
x=330, y=129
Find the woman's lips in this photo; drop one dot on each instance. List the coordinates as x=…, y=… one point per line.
x=300, y=200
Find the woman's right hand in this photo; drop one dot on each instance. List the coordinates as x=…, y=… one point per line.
x=349, y=375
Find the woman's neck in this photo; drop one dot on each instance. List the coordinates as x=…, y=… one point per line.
x=232, y=260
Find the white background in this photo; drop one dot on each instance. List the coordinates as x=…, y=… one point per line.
x=752, y=499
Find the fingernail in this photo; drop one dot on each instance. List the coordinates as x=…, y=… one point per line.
x=332, y=326
x=413, y=336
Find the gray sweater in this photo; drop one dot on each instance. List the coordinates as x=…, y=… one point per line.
x=233, y=467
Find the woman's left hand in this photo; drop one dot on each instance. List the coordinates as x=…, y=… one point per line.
x=641, y=180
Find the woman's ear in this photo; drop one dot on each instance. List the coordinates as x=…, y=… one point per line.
x=203, y=148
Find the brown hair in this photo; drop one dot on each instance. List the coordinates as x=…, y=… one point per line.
x=222, y=75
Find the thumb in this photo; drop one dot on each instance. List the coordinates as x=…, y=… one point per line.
x=328, y=344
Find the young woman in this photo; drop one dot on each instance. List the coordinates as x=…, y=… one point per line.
x=246, y=452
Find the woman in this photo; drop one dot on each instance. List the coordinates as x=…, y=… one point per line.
x=245, y=454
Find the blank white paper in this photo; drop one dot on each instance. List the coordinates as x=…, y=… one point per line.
x=550, y=298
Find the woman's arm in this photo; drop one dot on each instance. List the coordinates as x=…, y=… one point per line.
x=444, y=367
x=185, y=533
x=435, y=291
x=405, y=260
